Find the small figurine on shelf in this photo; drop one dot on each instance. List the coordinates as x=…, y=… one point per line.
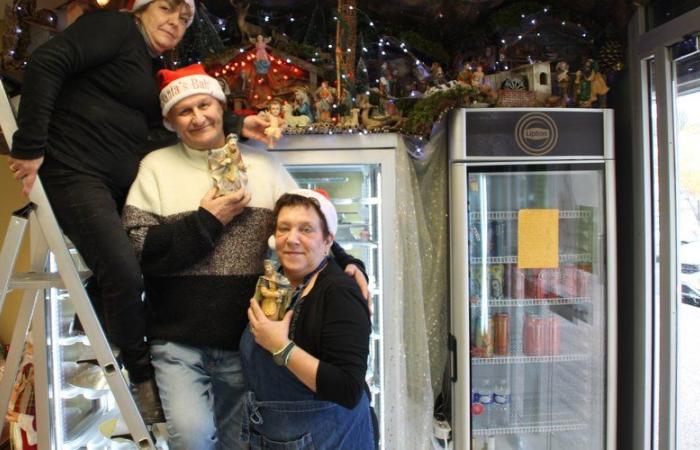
x=302, y=104
x=386, y=80
x=562, y=69
x=590, y=87
x=438, y=74
x=273, y=292
x=325, y=96
x=262, y=59
x=277, y=123
x=293, y=121
x=478, y=76
x=465, y=75
x=227, y=167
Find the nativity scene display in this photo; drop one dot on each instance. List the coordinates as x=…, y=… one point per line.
x=350, y=66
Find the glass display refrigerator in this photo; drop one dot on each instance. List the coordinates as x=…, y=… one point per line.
x=533, y=292
x=358, y=174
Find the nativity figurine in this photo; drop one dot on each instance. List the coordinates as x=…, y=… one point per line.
x=273, y=292
x=227, y=168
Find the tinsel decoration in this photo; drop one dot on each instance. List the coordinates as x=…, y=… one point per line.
x=611, y=57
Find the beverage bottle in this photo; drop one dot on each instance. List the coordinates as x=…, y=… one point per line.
x=501, y=404
x=485, y=392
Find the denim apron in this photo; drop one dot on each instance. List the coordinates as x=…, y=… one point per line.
x=294, y=420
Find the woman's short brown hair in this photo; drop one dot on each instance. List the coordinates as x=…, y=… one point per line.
x=299, y=200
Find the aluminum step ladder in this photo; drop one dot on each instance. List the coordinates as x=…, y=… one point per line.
x=33, y=304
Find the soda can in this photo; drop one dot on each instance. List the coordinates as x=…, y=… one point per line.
x=536, y=283
x=484, y=339
x=496, y=280
x=497, y=238
x=475, y=284
x=553, y=335
x=569, y=280
x=553, y=284
x=533, y=335
x=584, y=278
x=502, y=338
x=517, y=282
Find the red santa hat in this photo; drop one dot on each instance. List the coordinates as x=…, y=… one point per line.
x=134, y=5
x=182, y=83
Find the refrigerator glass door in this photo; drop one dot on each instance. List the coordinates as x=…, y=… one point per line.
x=537, y=306
x=355, y=190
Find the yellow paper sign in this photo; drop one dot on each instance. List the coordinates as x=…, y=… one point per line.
x=538, y=239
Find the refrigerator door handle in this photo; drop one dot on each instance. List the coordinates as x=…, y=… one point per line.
x=452, y=347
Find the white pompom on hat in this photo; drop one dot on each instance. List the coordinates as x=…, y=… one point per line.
x=134, y=5
x=176, y=85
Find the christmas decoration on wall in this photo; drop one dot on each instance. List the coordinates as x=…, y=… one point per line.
x=15, y=36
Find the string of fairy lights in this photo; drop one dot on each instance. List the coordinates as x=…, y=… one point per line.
x=384, y=45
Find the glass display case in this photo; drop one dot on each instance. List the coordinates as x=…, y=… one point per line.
x=533, y=288
x=537, y=334
x=358, y=174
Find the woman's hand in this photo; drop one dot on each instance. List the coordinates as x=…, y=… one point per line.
x=25, y=170
x=269, y=334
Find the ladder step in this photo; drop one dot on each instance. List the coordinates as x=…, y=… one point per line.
x=41, y=280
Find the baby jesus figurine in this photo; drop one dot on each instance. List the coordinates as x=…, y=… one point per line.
x=227, y=168
x=277, y=124
x=273, y=292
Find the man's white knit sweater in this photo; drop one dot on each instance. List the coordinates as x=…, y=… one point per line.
x=199, y=275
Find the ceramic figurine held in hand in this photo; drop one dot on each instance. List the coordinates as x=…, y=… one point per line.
x=273, y=292
x=227, y=167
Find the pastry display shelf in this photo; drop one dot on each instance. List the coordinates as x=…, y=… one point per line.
x=526, y=302
x=531, y=429
x=563, y=258
x=523, y=359
x=513, y=215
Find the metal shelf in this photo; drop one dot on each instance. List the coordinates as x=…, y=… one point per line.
x=564, y=258
x=522, y=359
x=513, y=215
x=531, y=429
x=524, y=302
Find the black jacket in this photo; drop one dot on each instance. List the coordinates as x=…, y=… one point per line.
x=90, y=100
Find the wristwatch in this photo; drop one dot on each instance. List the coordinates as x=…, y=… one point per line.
x=281, y=357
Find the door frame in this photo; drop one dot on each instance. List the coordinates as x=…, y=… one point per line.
x=652, y=424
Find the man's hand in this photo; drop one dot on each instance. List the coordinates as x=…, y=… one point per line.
x=25, y=170
x=359, y=277
x=254, y=128
x=225, y=207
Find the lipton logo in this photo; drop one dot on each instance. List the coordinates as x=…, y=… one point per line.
x=536, y=134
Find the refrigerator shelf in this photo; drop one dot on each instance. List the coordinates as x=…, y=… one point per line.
x=563, y=258
x=513, y=215
x=494, y=360
x=531, y=429
x=348, y=245
x=524, y=302
x=355, y=201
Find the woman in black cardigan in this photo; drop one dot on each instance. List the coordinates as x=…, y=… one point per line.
x=306, y=373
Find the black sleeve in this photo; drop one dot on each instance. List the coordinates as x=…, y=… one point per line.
x=175, y=246
x=344, y=259
x=344, y=346
x=92, y=40
x=233, y=124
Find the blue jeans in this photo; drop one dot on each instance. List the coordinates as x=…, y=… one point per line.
x=202, y=392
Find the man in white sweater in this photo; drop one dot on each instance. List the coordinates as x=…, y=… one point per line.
x=201, y=255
